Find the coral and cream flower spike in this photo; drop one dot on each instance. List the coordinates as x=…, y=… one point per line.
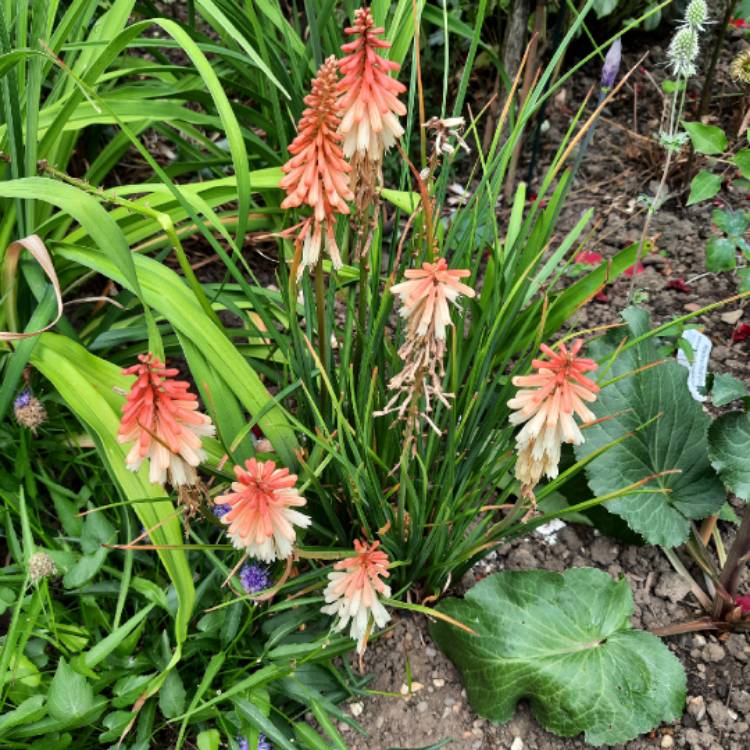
x=353, y=589
x=317, y=175
x=160, y=416
x=547, y=402
x=261, y=518
x=425, y=296
x=369, y=96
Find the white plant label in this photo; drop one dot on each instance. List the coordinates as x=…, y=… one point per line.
x=698, y=368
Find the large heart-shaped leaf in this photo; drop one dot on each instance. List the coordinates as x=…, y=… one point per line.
x=729, y=449
x=673, y=441
x=565, y=643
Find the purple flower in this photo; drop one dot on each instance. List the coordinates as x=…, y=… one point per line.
x=254, y=578
x=611, y=64
x=263, y=743
x=221, y=510
x=23, y=399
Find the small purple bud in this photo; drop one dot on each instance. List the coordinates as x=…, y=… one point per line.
x=263, y=743
x=23, y=399
x=221, y=510
x=254, y=577
x=611, y=64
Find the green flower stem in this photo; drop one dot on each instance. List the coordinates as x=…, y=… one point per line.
x=320, y=308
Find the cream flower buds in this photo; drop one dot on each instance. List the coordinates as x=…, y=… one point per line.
x=369, y=96
x=261, y=518
x=161, y=418
x=353, y=588
x=546, y=403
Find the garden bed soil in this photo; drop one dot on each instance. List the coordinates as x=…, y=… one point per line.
x=718, y=671
x=621, y=165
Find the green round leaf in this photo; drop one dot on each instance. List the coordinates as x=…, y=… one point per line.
x=707, y=139
x=704, y=186
x=733, y=223
x=742, y=160
x=720, y=254
x=565, y=643
x=664, y=430
x=729, y=446
x=70, y=695
x=726, y=388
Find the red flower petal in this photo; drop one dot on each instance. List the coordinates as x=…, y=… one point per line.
x=679, y=285
x=589, y=258
x=635, y=269
x=743, y=602
x=741, y=333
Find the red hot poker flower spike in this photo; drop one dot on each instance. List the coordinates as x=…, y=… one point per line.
x=262, y=516
x=353, y=588
x=369, y=96
x=161, y=415
x=317, y=175
x=546, y=402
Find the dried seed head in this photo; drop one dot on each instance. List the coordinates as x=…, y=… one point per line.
x=41, y=565
x=29, y=411
x=740, y=67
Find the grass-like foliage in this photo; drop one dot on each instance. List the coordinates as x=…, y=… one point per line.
x=188, y=548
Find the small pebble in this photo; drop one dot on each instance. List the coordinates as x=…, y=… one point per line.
x=667, y=741
x=713, y=652
x=696, y=707
x=357, y=708
x=438, y=682
x=422, y=706
x=720, y=715
x=517, y=744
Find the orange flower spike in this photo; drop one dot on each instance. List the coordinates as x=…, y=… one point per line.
x=547, y=402
x=369, y=96
x=261, y=516
x=426, y=293
x=353, y=588
x=161, y=417
x=317, y=174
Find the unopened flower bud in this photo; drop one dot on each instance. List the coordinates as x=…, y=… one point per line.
x=696, y=14
x=263, y=445
x=29, y=411
x=611, y=64
x=41, y=565
x=683, y=51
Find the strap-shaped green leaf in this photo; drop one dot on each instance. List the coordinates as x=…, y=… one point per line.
x=165, y=291
x=86, y=384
